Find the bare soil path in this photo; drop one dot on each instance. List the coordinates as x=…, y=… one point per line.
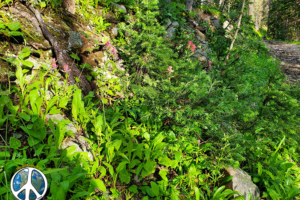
x=289, y=54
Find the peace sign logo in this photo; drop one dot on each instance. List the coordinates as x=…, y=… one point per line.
x=29, y=184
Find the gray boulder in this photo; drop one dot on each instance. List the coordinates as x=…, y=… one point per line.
x=175, y=24
x=114, y=31
x=168, y=23
x=242, y=183
x=79, y=148
x=215, y=22
x=118, y=8
x=170, y=32
x=172, y=27
x=80, y=143
x=75, y=42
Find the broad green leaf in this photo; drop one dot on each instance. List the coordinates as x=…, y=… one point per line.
x=2, y=25
x=76, y=104
x=133, y=163
x=24, y=55
x=121, y=166
x=226, y=179
x=270, y=174
x=26, y=50
x=62, y=190
x=154, y=188
x=27, y=63
x=53, y=170
x=178, y=156
x=51, y=103
x=70, y=150
x=163, y=173
x=218, y=191
x=14, y=26
x=124, y=156
x=137, y=150
x=15, y=33
x=206, y=145
x=117, y=144
x=32, y=140
x=80, y=194
x=72, y=179
x=75, y=57
x=256, y=179
x=102, y=170
x=158, y=139
x=133, y=189
x=124, y=176
x=39, y=150
x=3, y=190
x=5, y=154
x=174, y=194
x=14, y=143
x=259, y=166
x=54, y=110
x=25, y=116
x=63, y=102
x=98, y=184
x=110, y=168
x=149, y=167
x=197, y=193
x=167, y=162
x=19, y=73
x=43, y=4
x=273, y=194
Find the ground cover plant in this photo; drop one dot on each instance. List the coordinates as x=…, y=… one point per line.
x=179, y=123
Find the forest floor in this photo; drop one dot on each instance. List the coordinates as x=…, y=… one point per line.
x=289, y=54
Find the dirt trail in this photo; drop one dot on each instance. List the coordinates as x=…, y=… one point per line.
x=289, y=54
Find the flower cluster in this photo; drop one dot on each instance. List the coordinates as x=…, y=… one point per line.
x=170, y=69
x=53, y=63
x=192, y=46
x=66, y=68
x=209, y=63
x=112, y=49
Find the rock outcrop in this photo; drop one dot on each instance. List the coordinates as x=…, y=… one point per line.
x=241, y=182
x=81, y=145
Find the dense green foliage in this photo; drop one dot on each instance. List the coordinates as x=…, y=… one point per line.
x=180, y=122
x=283, y=20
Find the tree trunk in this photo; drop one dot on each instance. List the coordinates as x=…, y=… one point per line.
x=221, y=3
x=257, y=15
x=223, y=6
x=251, y=9
x=169, y=1
x=269, y=17
x=189, y=5
x=237, y=30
